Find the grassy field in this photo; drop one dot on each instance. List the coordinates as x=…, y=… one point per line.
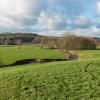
x=9, y=55
x=88, y=54
x=69, y=80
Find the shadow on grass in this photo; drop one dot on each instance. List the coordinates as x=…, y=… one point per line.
x=31, y=61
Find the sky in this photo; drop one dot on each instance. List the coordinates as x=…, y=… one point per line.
x=51, y=17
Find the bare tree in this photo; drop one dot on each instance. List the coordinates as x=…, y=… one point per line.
x=43, y=42
x=19, y=43
x=87, y=43
x=51, y=43
x=65, y=44
x=37, y=40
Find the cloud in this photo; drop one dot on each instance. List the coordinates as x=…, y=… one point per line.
x=19, y=12
x=26, y=12
x=59, y=13
x=72, y=7
x=92, y=31
x=98, y=7
x=82, y=22
x=20, y=8
x=47, y=21
x=49, y=16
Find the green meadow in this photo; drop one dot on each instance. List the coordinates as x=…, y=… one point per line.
x=11, y=54
x=88, y=54
x=68, y=80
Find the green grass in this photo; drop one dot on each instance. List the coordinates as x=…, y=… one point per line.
x=70, y=80
x=9, y=55
x=88, y=54
x=52, y=81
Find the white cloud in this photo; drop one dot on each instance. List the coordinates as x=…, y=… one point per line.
x=56, y=21
x=14, y=13
x=25, y=13
x=20, y=7
x=72, y=7
x=52, y=16
x=82, y=22
x=91, y=31
x=98, y=7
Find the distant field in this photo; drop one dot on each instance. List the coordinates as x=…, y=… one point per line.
x=88, y=54
x=11, y=54
x=71, y=80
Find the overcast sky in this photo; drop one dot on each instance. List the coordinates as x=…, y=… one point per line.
x=50, y=17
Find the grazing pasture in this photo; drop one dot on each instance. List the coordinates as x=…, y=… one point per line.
x=88, y=54
x=11, y=54
x=69, y=80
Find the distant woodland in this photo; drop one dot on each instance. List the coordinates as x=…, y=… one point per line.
x=67, y=41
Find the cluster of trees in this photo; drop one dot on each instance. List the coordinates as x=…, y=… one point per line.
x=65, y=42
x=68, y=42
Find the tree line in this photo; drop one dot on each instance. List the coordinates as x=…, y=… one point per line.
x=68, y=42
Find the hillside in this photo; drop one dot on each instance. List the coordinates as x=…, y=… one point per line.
x=62, y=80
x=53, y=81
x=11, y=38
